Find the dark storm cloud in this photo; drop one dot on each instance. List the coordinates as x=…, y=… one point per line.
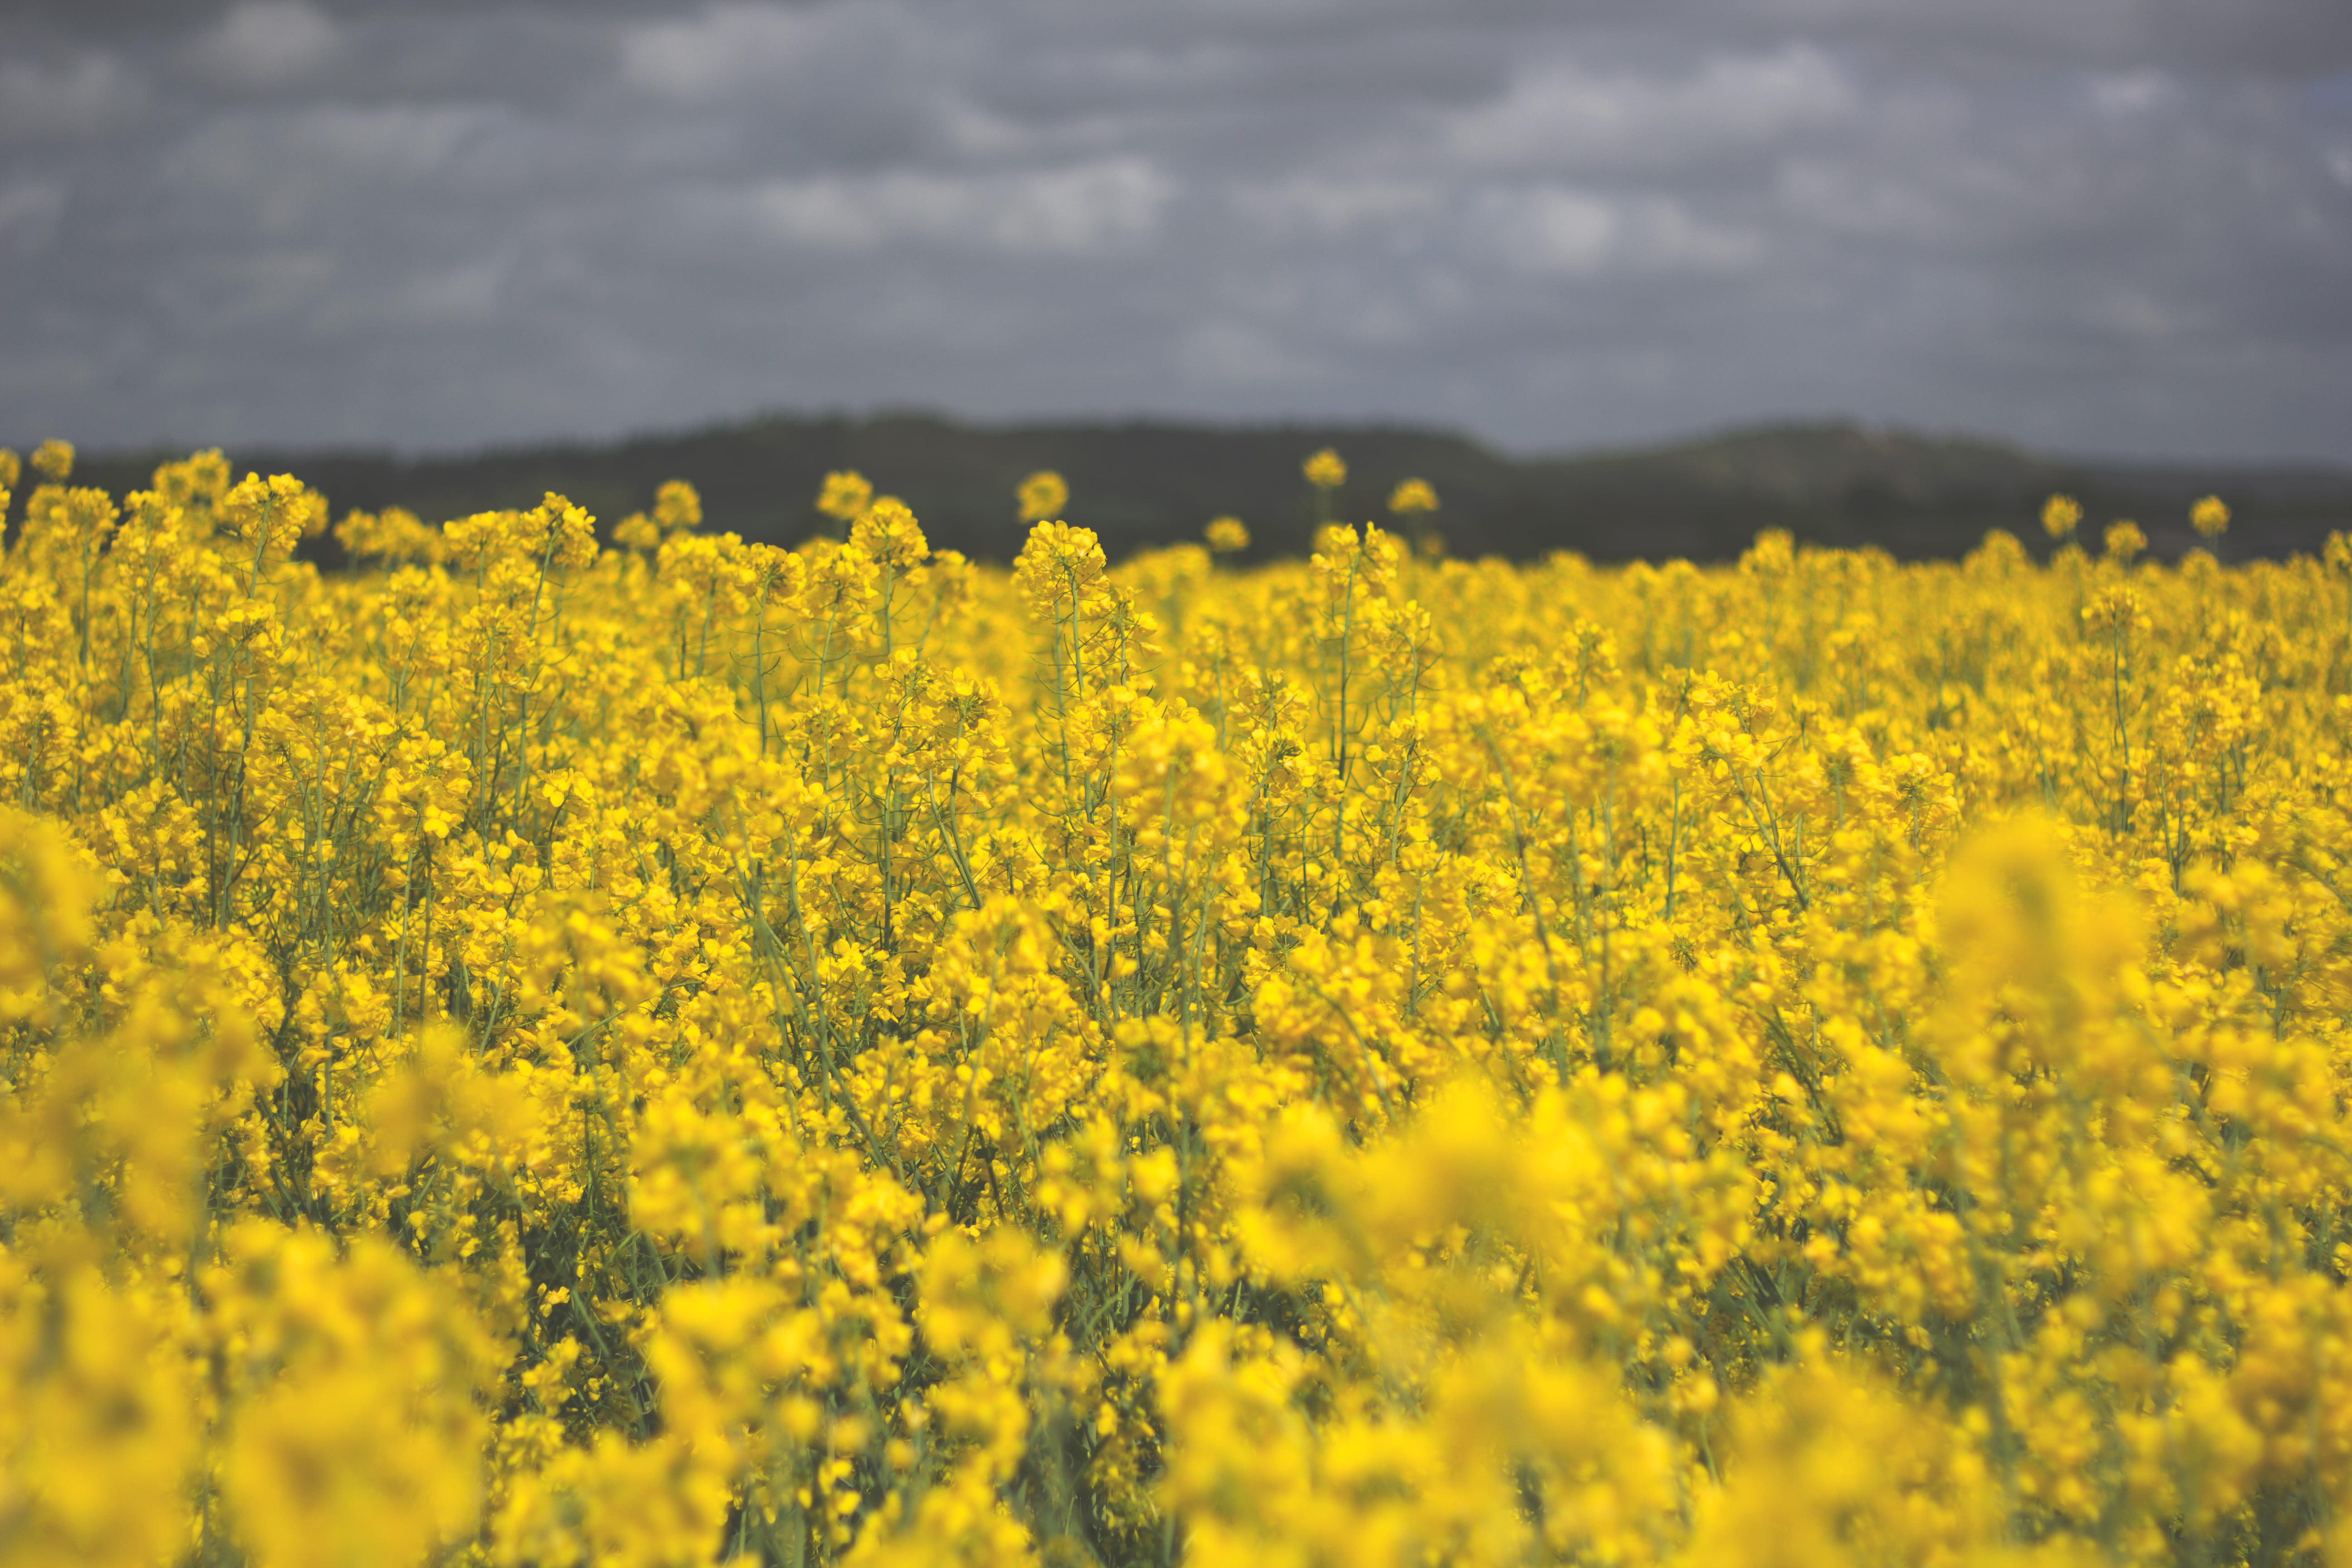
x=2111, y=223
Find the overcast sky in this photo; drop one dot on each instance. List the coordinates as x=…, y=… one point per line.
x=2116, y=226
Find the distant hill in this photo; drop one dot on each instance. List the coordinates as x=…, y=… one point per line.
x=1155, y=482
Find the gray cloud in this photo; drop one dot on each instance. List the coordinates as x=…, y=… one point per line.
x=67, y=95
x=2119, y=224
x=268, y=45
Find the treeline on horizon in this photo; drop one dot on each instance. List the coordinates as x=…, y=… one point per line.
x=1153, y=483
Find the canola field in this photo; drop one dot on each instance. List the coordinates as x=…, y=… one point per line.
x=553, y=1048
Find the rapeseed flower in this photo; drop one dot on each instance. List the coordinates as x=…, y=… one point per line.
x=1042, y=495
x=530, y=1053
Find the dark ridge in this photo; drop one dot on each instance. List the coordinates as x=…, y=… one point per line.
x=1151, y=482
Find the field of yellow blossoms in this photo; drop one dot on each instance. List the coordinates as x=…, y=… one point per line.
x=536, y=1051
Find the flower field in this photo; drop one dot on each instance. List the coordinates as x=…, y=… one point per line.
x=536, y=1051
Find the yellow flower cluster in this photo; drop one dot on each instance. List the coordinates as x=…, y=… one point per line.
x=535, y=1053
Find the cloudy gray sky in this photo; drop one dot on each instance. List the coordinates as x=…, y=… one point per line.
x=2118, y=225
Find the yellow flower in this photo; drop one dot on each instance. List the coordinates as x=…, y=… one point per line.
x=1325, y=472
x=848, y=1055
x=845, y=495
x=887, y=533
x=1413, y=496
x=1043, y=496
x=1227, y=534
x=677, y=507
x=2059, y=516
x=2210, y=517
x=638, y=532
x=269, y=517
